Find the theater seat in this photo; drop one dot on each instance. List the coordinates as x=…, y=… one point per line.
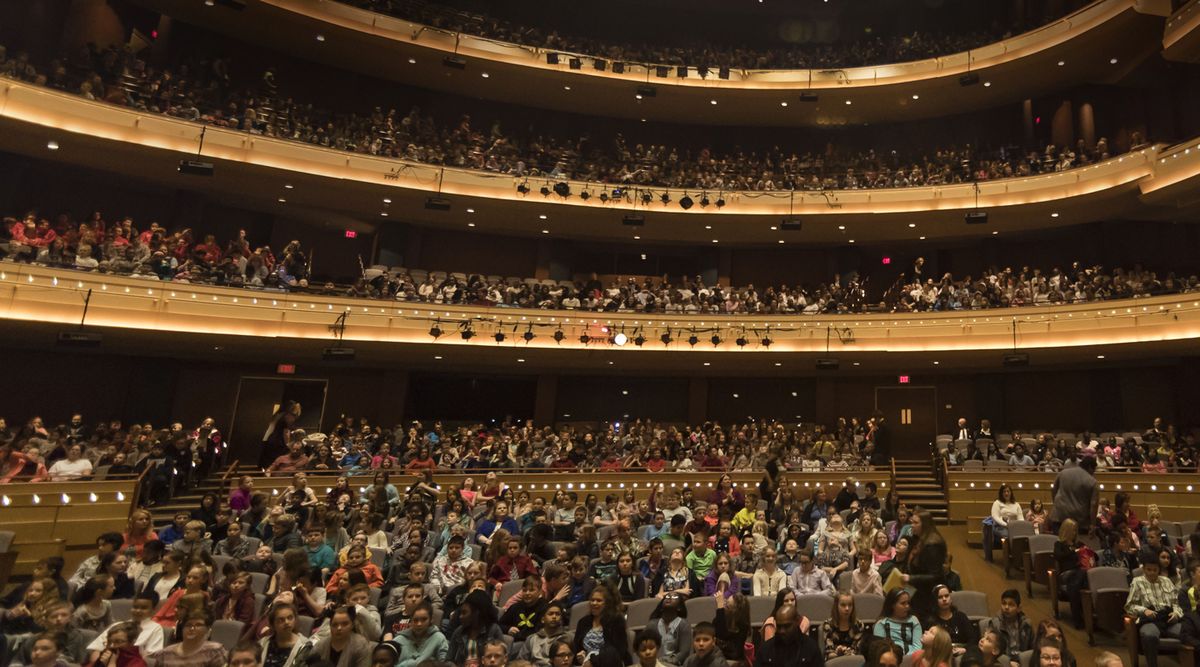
x=1186, y=654
x=1104, y=601
x=1038, y=561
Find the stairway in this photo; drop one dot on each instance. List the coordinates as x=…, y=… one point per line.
x=186, y=501
x=919, y=487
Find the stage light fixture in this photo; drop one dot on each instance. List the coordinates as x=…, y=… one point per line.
x=716, y=339
x=600, y=64
x=604, y=197
x=693, y=339
x=703, y=72
x=559, y=336
x=618, y=68
x=766, y=341
x=681, y=71
x=741, y=341
x=575, y=63
x=662, y=71
x=468, y=334
x=529, y=335
x=704, y=200
x=646, y=197
x=545, y=190
x=523, y=188
x=620, y=339
x=723, y=73
x=585, y=339
x=665, y=338
x=665, y=198
x=585, y=195
x=720, y=202
x=639, y=340
x=551, y=58
x=685, y=202
x=499, y=336
x=562, y=189
x=435, y=331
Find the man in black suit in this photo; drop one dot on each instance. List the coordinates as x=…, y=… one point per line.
x=962, y=431
x=882, y=454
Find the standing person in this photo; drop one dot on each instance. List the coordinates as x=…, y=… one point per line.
x=882, y=452
x=1076, y=496
x=926, y=562
x=1070, y=570
x=274, y=441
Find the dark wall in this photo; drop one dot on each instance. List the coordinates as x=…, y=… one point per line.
x=599, y=398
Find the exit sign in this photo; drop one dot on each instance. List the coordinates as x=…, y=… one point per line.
x=885, y=260
x=286, y=369
x=903, y=379
x=351, y=234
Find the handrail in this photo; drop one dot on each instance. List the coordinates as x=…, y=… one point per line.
x=136, y=500
x=892, y=477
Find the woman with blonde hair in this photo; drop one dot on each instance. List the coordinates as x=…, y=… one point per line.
x=1071, y=573
x=139, y=531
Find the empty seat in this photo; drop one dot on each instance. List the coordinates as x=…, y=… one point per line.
x=701, y=609
x=972, y=603
x=509, y=589
x=226, y=633
x=868, y=607
x=816, y=607
x=637, y=613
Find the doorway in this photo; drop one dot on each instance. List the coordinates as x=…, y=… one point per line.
x=259, y=398
x=911, y=414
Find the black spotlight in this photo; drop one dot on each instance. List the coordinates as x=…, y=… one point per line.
x=575, y=63
x=665, y=338
x=559, y=336
x=704, y=200
x=468, y=334
x=686, y=202
x=551, y=58
x=723, y=73
x=639, y=340
x=665, y=198
x=585, y=195
x=562, y=189
x=523, y=188
x=681, y=71
x=646, y=197
x=741, y=341
x=720, y=202
x=585, y=339
x=528, y=335
x=716, y=339
x=600, y=64
x=766, y=341
x=499, y=336
x=703, y=72
x=603, y=197
x=545, y=191
x=435, y=331
x=662, y=71
x=618, y=68
x=693, y=339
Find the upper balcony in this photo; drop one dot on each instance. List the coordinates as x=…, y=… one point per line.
x=338, y=186
x=1100, y=43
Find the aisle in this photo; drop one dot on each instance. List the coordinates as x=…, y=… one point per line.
x=980, y=575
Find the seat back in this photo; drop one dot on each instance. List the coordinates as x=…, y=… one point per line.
x=1107, y=579
x=1019, y=529
x=378, y=556
x=816, y=607
x=972, y=464
x=701, y=609
x=304, y=625
x=760, y=608
x=1024, y=657
x=637, y=613
x=579, y=610
x=122, y=610
x=1041, y=543
x=509, y=589
x=226, y=632
x=972, y=603
x=846, y=661
x=258, y=582
x=868, y=607
x=6, y=540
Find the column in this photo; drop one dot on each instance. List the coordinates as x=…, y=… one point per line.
x=393, y=400
x=544, y=252
x=546, y=400
x=698, y=400
x=1062, y=125
x=1027, y=121
x=1087, y=123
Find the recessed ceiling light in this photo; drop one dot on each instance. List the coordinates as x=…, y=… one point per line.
x=282, y=200
x=778, y=363
x=470, y=224
x=412, y=61
x=638, y=96
x=643, y=120
x=712, y=102
x=52, y=145
x=484, y=75
x=437, y=356
x=848, y=102
x=542, y=217
x=566, y=87
x=987, y=84
x=520, y=361
x=545, y=231
x=708, y=226
x=1099, y=356
x=911, y=225
x=916, y=97
x=470, y=210
x=289, y=186
x=773, y=228
x=320, y=38
x=383, y=214
x=1112, y=61
x=1053, y=215
x=707, y=364
x=922, y=238
x=995, y=233
x=856, y=363
x=852, y=240
x=637, y=238
x=842, y=227
x=781, y=240
x=715, y=241
x=386, y=200
x=936, y=363
x=783, y=104
x=1061, y=63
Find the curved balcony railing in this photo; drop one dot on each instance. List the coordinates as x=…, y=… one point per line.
x=463, y=44
x=40, y=294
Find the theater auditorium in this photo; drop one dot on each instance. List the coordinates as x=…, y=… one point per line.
x=516, y=333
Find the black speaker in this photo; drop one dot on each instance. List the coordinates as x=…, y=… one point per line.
x=437, y=204
x=968, y=79
x=338, y=354
x=455, y=62
x=1016, y=359
x=80, y=339
x=976, y=217
x=830, y=364
x=634, y=220
x=195, y=168
x=791, y=224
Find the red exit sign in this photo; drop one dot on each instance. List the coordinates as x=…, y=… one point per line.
x=351, y=234
x=286, y=369
x=903, y=379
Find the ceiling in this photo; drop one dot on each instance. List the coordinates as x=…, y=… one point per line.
x=1103, y=52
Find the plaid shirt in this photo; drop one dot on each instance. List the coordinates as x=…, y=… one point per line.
x=1144, y=595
